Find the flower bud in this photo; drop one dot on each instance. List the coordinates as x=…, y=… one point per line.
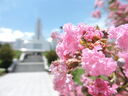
x=72, y=63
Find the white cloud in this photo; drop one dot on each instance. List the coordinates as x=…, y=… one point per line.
x=55, y=30
x=9, y=35
x=49, y=39
x=100, y=22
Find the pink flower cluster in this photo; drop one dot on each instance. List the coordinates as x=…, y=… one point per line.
x=99, y=3
x=65, y=47
x=101, y=88
x=120, y=34
x=117, y=11
x=124, y=55
x=62, y=82
x=86, y=48
x=90, y=32
x=96, y=14
x=95, y=63
x=71, y=38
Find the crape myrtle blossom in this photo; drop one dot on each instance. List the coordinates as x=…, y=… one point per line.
x=99, y=3
x=55, y=35
x=117, y=11
x=91, y=32
x=62, y=81
x=88, y=32
x=79, y=91
x=85, y=80
x=101, y=88
x=68, y=86
x=58, y=68
x=87, y=64
x=96, y=14
x=95, y=63
x=69, y=43
x=124, y=55
x=120, y=34
x=71, y=38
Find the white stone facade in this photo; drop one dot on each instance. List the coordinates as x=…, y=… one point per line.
x=36, y=43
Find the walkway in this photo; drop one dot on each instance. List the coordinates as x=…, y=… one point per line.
x=26, y=84
x=26, y=81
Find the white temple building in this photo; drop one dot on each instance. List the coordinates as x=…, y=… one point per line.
x=37, y=43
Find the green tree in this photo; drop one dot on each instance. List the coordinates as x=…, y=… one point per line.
x=6, y=56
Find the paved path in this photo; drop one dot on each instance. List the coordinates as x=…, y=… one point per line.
x=29, y=79
x=27, y=84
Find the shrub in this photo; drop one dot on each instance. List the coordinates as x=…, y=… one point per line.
x=17, y=54
x=51, y=56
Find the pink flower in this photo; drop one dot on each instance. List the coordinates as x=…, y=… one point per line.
x=62, y=81
x=91, y=32
x=67, y=87
x=58, y=68
x=100, y=88
x=62, y=51
x=124, y=55
x=122, y=93
x=59, y=82
x=120, y=34
x=85, y=80
x=113, y=34
x=126, y=19
x=126, y=9
x=111, y=14
x=69, y=43
x=88, y=32
x=96, y=14
x=95, y=63
x=99, y=3
x=122, y=41
x=54, y=35
x=79, y=91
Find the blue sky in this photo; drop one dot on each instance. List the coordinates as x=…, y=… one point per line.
x=22, y=14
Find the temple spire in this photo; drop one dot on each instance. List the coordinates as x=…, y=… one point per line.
x=38, y=33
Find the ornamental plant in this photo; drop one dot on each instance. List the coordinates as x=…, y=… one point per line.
x=117, y=11
x=92, y=61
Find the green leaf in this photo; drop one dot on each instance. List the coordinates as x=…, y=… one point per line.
x=77, y=75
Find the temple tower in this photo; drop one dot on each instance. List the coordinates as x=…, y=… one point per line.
x=38, y=31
